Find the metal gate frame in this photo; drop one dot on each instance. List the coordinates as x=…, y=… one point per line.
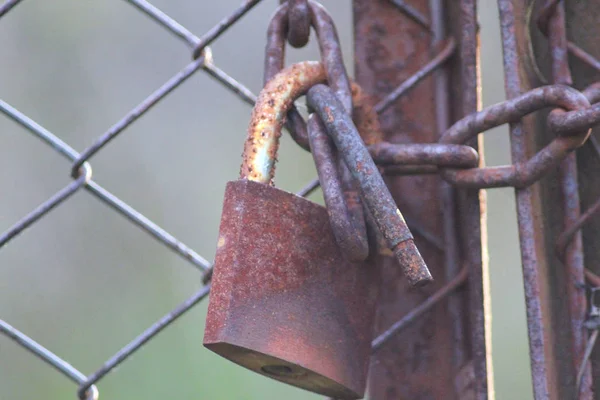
x=537, y=52
x=446, y=354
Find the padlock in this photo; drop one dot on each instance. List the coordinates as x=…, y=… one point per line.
x=284, y=301
x=342, y=200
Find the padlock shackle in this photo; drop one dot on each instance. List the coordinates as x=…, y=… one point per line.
x=268, y=116
x=343, y=202
x=331, y=56
x=338, y=124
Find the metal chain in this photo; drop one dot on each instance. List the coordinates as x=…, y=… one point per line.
x=82, y=174
x=341, y=196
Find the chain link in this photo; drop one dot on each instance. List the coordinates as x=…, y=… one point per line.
x=571, y=128
x=299, y=22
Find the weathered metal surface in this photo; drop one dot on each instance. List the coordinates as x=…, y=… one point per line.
x=425, y=154
x=375, y=194
x=422, y=308
x=475, y=377
x=549, y=206
x=337, y=78
x=520, y=77
x=567, y=235
x=273, y=306
x=348, y=225
x=573, y=256
x=260, y=153
x=365, y=116
x=268, y=116
x=331, y=55
x=418, y=76
x=298, y=23
x=350, y=234
x=520, y=173
x=391, y=49
x=284, y=301
x=582, y=29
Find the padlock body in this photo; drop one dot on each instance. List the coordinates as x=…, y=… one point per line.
x=284, y=302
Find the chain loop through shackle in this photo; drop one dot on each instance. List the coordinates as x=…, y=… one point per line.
x=336, y=198
x=331, y=55
x=338, y=124
x=260, y=153
x=342, y=197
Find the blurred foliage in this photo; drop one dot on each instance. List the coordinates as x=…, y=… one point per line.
x=84, y=281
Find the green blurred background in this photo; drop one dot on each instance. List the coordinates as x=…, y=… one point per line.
x=84, y=281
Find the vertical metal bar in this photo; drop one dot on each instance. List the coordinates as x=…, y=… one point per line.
x=581, y=21
x=447, y=193
x=546, y=207
x=449, y=212
x=573, y=256
x=513, y=25
x=471, y=216
x=436, y=357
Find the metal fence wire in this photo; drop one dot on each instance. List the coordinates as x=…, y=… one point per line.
x=450, y=157
x=83, y=179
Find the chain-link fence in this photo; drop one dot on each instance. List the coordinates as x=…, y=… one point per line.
x=83, y=179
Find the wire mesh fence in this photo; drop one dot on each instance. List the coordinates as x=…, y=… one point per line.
x=83, y=179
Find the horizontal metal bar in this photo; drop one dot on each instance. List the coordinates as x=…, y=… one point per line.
x=455, y=156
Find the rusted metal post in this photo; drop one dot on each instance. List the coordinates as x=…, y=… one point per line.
x=583, y=31
x=442, y=355
x=535, y=46
x=535, y=259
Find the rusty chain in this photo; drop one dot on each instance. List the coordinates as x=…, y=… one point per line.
x=569, y=122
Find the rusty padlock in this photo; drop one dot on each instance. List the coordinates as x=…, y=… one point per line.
x=343, y=202
x=284, y=301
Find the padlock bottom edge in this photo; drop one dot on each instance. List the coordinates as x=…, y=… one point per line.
x=283, y=371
